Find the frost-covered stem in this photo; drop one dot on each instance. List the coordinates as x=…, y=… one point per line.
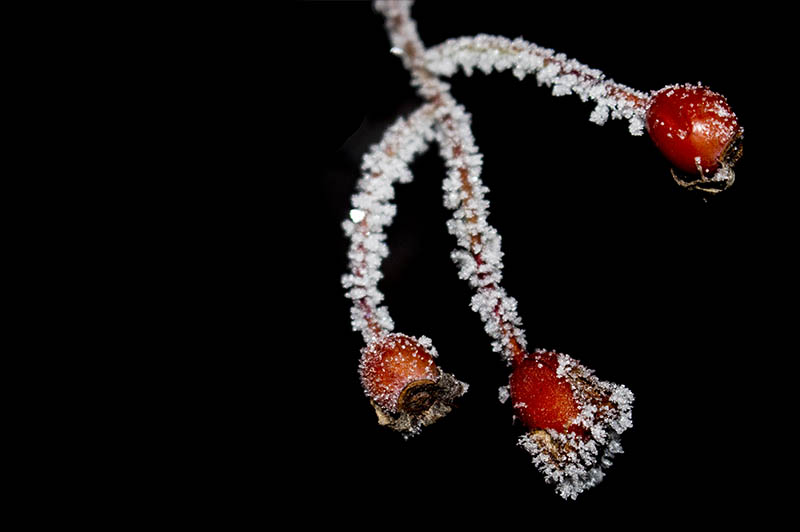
x=564, y=75
x=407, y=44
x=384, y=165
x=527, y=57
x=479, y=259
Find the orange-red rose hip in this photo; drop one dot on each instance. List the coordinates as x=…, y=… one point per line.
x=542, y=399
x=693, y=127
x=390, y=364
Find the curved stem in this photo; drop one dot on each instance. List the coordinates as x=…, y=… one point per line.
x=372, y=210
x=563, y=75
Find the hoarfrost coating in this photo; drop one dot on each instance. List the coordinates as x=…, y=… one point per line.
x=479, y=256
x=564, y=76
x=372, y=211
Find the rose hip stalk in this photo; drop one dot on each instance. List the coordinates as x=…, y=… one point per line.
x=574, y=420
x=397, y=372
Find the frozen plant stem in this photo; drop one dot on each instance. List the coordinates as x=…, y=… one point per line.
x=398, y=372
x=384, y=165
x=565, y=76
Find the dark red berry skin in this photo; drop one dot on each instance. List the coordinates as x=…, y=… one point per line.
x=391, y=363
x=541, y=398
x=692, y=126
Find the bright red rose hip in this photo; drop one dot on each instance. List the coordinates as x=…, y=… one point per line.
x=542, y=399
x=693, y=127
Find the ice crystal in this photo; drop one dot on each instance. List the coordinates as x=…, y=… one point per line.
x=426, y=342
x=503, y=393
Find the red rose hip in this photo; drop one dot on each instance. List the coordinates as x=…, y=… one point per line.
x=693, y=127
x=574, y=419
x=542, y=399
x=392, y=366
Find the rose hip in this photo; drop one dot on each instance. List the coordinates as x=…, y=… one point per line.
x=693, y=127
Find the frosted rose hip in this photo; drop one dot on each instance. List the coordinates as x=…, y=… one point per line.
x=541, y=398
x=574, y=419
x=392, y=363
x=692, y=126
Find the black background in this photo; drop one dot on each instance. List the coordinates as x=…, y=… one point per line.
x=191, y=250
x=666, y=291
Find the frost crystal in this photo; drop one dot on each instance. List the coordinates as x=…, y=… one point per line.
x=503, y=394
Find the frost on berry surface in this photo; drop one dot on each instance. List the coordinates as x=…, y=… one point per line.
x=564, y=76
x=576, y=460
